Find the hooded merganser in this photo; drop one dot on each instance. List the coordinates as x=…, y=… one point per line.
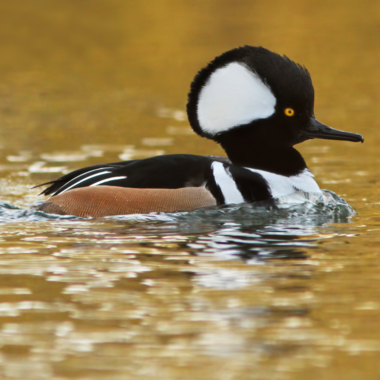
x=256, y=104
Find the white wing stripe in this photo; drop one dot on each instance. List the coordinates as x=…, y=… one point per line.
x=226, y=184
x=80, y=175
x=107, y=180
x=75, y=178
x=84, y=179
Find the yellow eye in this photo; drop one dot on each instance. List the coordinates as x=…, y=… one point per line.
x=289, y=111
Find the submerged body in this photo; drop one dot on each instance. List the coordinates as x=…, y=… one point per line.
x=256, y=105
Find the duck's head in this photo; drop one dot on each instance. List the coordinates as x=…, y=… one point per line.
x=252, y=97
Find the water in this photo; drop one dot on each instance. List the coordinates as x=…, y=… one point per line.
x=177, y=286
x=239, y=292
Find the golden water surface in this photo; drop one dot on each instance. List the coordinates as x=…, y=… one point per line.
x=91, y=81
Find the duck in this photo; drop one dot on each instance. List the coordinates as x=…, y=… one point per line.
x=256, y=104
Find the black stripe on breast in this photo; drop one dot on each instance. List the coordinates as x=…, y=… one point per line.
x=212, y=186
x=253, y=186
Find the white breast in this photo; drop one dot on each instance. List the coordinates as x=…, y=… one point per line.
x=281, y=185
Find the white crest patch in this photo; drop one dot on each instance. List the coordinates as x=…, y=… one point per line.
x=232, y=96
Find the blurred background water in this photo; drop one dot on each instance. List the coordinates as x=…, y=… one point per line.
x=234, y=293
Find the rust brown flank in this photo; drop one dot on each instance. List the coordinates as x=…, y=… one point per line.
x=101, y=201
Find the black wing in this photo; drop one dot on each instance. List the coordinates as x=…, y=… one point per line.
x=56, y=184
x=160, y=172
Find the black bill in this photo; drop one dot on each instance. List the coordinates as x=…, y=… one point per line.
x=317, y=130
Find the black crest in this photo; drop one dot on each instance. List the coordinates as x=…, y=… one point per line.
x=289, y=82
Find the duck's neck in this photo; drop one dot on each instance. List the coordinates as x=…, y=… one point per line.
x=276, y=159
